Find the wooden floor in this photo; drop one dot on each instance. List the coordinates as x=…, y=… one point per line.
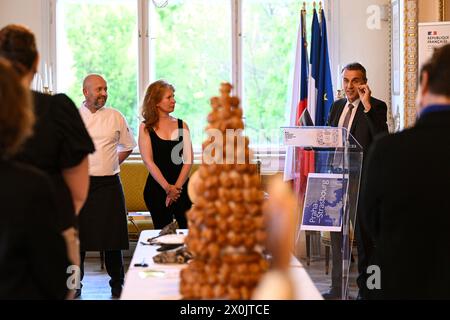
x=96, y=281
x=316, y=271
x=96, y=287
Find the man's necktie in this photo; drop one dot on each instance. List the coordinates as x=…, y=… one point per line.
x=348, y=116
x=338, y=157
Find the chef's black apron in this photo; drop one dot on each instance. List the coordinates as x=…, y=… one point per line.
x=103, y=219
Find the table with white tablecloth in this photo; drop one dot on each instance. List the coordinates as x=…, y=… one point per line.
x=162, y=281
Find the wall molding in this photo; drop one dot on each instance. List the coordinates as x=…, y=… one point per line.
x=410, y=61
x=390, y=112
x=441, y=10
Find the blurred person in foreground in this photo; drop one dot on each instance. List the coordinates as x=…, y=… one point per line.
x=33, y=259
x=60, y=142
x=404, y=196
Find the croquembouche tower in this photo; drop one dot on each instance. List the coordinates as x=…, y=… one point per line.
x=226, y=224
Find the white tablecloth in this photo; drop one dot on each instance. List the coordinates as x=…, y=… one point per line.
x=162, y=281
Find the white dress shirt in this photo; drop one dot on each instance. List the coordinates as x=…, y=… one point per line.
x=111, y=135
x=344, y=113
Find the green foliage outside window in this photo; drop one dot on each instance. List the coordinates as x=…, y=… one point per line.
x=270, y=33
x=193, y=52
x=191, y=48
x=102, y=40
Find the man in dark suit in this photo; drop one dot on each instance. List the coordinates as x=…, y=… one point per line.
x=368, y=115
x=364, y=117
x=405, y=196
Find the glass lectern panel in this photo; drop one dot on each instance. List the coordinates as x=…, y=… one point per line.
x=327, y=163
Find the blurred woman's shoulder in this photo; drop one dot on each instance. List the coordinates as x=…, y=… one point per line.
x=59, y=103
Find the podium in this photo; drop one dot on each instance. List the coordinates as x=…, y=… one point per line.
x=327, y=164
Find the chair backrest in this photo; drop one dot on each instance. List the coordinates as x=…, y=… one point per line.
x=133, y=175
x=194, y=168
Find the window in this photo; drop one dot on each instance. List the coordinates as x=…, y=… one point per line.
x=194, y=44
x=269, y=34
x=191, y=48
x=99, y=36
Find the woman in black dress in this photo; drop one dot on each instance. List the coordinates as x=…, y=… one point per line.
x=166, y=150
x=60, y=143
x=33, y=260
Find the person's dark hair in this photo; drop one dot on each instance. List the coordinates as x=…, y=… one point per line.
x=438, y=70
x=356, y=66
x=153, y=96
x=16, y=110
x=18, y=45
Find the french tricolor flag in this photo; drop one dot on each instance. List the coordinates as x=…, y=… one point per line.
x=313, y=80
x=299, y=99
x=303, y=73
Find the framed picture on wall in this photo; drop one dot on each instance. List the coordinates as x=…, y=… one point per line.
x=395, y=50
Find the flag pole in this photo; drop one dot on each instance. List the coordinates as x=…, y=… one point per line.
x=320, y=12
x=303, y=20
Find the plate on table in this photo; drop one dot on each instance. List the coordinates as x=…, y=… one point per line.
x=169, y=239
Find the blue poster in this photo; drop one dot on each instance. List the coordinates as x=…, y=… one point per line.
x=323, y=207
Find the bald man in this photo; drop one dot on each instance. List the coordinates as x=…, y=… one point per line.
x=103, y=219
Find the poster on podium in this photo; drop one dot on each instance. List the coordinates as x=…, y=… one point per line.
x=323, y=206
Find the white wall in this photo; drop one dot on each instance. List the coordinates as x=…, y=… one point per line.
x=364, y=42
x=35, y=15
x=27, y=12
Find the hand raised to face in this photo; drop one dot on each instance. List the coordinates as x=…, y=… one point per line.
x=365, y=94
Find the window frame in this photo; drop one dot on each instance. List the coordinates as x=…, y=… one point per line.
x=145, y=55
